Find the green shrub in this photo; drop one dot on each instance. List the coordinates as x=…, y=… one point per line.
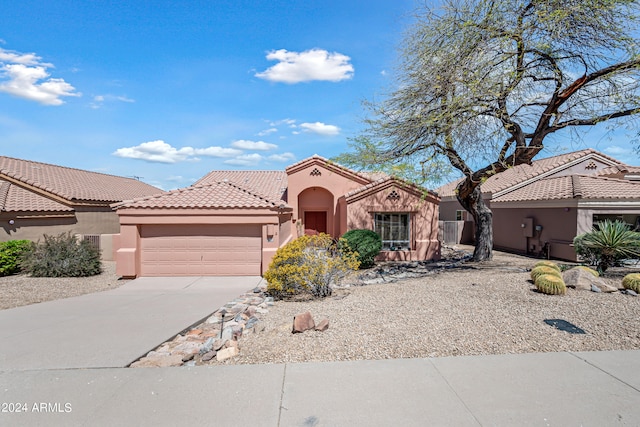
x=548, y=264
x=63, y=256
x=366, y=243
x=543, y=269
x=605, y=247
x=11, y=253
x=632, y=281
x=309, y=264
x=550, y=284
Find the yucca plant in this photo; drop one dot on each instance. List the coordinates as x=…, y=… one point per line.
x=611, y=242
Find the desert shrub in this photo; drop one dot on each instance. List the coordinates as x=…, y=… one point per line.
x=550, y=284
x=366, y=243
x=309, y=264
x=548, y=264
x=11, y=254
x=632, y=281
x=605, y=247
x=542, y=269
x=63, y=256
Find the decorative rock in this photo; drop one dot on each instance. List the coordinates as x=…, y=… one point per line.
x=207, y=346
x=630, y=292
x=186, y=348
x=227, y=333
x=269, y=301
x=583, y=280
x=595, y=289
x=226, y=353
x=251, y=323
x=218, y=344
x=188, y=357
x=323, y=325
x=303, y=322
x=194, y=332
x=208, y=356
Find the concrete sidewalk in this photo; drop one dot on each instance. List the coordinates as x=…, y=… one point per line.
x=111, y=328
x=545, y=389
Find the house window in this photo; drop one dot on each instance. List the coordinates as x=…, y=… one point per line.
x=393, y=228
x=459, y=215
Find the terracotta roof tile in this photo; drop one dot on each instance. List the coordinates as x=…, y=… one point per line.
x=367, y=176
x=74, y=184
x=17, y=199
x=206, y=196
x=574, y=186
x=270, y=184
x=523, y=173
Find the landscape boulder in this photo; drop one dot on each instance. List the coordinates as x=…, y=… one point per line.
x=580, y=279
x=303, y=322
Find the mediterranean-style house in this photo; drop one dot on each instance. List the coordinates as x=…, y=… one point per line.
x=539, y=208
x=40, y=198
x=232, y=222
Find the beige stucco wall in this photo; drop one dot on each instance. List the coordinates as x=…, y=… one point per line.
x=423, y=220
x=559, y=227
x=95, y=220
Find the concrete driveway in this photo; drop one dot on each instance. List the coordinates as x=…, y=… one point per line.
x=113, y=328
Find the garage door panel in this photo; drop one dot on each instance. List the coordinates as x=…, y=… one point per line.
x=191, y=250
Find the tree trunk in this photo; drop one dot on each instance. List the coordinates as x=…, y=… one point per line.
x=483, y=217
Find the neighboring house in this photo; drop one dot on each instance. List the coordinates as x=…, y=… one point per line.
x=39, y=198
x=232, y=222
x=538, y=209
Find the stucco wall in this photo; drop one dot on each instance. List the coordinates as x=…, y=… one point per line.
x=424, y=220
x=100, y=220
x=559, y=227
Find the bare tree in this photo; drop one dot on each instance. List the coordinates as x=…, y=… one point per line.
x=481, y=84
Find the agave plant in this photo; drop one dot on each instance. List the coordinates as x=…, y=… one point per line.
x=611, y=242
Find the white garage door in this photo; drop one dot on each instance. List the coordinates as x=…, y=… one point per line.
x=200, y=250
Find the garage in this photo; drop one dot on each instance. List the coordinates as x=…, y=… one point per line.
x=200, y=250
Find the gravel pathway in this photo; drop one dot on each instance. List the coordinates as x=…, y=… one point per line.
x=19, y=290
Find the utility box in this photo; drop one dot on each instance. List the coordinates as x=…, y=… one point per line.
x=527, y=227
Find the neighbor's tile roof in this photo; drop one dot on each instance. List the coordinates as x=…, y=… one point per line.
x=74, y=184
x=524, y=172
x=270, y=184
x=215, y=195
x=574, y=186
x=17, y=199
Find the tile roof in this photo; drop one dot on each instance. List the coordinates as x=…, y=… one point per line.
x=572, y=187
x=522, y=173
x=17, y=199
x=73, y=184
x=387, y=180
x=270, y=184
x=366, y=176
x=205, y=196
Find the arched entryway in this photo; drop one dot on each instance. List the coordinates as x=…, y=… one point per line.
x=316, y=210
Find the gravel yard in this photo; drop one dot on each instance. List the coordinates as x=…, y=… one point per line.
x=19, y=290
x=472, y=309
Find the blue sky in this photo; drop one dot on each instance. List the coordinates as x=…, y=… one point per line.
x=167, y=91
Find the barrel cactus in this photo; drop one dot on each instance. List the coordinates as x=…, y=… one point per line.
x=632, y=281
x=550, y=284
x=547, y=264
x=539, y=271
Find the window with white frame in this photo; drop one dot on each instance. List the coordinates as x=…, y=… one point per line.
x=394, y=230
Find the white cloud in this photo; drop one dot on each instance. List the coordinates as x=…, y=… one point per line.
x=99, y=100
x=314, y=64
x=267, y=132
x=245, y=160
x=320, y=128
x=289, y=122
x=615, y=150
x=161, y=152
x=25, y=76
x=243, y=144
x=284, y=157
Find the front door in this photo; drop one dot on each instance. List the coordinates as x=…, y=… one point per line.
x=315, y=222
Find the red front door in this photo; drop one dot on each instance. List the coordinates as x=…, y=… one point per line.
x=315, y=222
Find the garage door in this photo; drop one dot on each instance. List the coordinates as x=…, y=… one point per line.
x=194, y=250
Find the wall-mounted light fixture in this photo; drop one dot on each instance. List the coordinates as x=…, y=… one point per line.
x=11, y=222
x=523, y=225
